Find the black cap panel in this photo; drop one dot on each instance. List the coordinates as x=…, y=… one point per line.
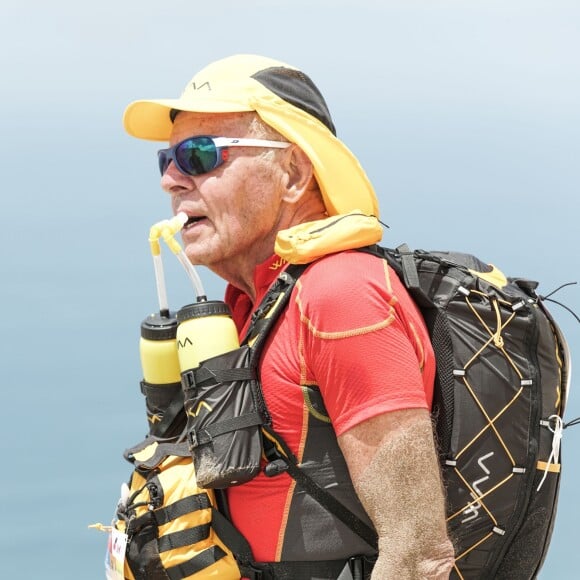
x=296, y=88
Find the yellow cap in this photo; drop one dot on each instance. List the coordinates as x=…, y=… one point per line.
x=287, y=100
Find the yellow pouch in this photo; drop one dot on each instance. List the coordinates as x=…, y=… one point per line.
x=306, y=242
x=169, y=522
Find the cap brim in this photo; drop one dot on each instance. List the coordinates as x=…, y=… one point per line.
x=149, y=119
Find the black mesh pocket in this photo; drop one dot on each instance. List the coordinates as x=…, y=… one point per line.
x=527, y=551
x=444, y=401
x=165, y=413
x=225, y=411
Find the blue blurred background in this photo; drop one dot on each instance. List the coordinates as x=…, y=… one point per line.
x=464, y=114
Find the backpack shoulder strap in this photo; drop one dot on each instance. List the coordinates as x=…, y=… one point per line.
x=403, y=261
x=272, y=305
x=282, y=459
x=276, y=450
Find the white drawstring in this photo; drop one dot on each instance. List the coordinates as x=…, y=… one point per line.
x=557, y=430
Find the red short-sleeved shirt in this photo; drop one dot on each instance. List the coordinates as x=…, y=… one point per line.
x=351, y=331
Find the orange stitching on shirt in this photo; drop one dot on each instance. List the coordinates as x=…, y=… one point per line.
x=348, y=333
x=343, y=333
x=393, y=299
x=284, y=522
x=301, y=356
x=309, y=383
x=290, y=495
x=392, y=302
x=419, y=345
x=387, y=277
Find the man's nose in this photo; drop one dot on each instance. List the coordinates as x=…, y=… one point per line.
x=174, y=182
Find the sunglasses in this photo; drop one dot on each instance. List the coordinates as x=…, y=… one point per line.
x=204, y=153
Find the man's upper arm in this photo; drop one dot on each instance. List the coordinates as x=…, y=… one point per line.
x=394, y=468
x=360, y=443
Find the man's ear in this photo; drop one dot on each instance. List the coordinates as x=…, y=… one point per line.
x=299, y=173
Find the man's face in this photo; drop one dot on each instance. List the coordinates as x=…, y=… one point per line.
x=236, y=206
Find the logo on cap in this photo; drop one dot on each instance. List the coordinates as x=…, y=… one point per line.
x=196, y=88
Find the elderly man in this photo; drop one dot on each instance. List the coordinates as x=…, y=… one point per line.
x=253, y=158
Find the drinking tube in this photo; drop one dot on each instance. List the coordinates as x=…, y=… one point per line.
x=154, y=235
x=167, y=230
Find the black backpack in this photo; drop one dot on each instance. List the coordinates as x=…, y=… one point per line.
x=500, y=393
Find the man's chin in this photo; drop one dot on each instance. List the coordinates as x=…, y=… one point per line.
x=201, y=255
x=197, y=258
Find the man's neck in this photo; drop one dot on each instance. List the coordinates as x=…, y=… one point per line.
x=239, y=270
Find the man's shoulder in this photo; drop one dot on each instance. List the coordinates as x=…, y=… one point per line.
x=353, y=280
x=344, y=265
x=342, y=274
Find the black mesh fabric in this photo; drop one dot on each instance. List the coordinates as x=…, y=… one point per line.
x=445, y=387
x=297, y=89
x=521, y=561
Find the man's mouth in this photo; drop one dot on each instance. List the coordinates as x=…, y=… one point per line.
x=194, y=219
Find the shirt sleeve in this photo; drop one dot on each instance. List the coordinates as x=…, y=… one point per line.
x=363, y=340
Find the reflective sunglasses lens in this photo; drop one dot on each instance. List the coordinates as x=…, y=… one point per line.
x=196, y=156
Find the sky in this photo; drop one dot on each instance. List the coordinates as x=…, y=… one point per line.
x=464, y=114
